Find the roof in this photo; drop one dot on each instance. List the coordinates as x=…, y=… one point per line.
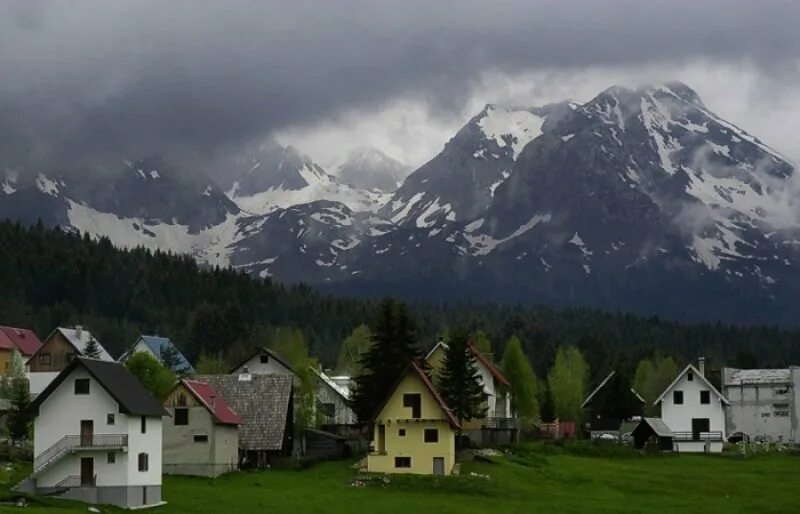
x=759, y=376
x=212, y=401
x=263, y=403
x=602, y=385
x=157, y=345
x=697, y=374
x=483, y=359
x=335, y=383
x=22, y=339
x=78, y=339
x=659, y=427
x=260, y=350
x=133, y=398
x=415, y=368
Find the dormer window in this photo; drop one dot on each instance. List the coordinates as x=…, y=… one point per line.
x=264, y=358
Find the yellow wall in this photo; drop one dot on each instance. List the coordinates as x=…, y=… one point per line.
x=394, y=417
x=5, y=360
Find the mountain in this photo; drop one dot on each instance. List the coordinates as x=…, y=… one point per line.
x=369, y=168
x=640, y=199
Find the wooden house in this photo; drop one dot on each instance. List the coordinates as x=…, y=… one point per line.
x=61, y=347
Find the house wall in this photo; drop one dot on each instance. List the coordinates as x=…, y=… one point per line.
x=148, y=442
x=343, y=414
x=141, y=347
x=5, y=359
x=38, y=382
x=184, y=456
x=679, y=417
x=60, y=350
x=271, y=367
x=756, y=408
x=395, y=417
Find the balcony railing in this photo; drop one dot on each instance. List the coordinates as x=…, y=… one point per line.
x=499, y=423
x=714, y=436
x=71, y=443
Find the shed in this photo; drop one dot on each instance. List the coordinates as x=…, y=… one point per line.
x=649, y=428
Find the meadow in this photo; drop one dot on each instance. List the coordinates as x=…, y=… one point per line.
x=534, y=478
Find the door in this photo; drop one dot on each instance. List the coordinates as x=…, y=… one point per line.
x=700, y=425
x=87, y=432
x=438, y=465
x=87, y=471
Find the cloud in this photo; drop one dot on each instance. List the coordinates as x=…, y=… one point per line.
x=86, y=80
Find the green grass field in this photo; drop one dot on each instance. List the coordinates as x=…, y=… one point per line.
x=538, y=479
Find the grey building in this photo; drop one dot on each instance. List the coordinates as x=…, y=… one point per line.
x=202, y=437
x=764, y=403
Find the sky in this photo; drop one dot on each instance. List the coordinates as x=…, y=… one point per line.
x=92, y=82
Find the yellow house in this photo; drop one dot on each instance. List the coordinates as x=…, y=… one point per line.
x=414, y=432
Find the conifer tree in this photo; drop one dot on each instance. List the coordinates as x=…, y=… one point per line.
x=91, y=349
x=460, y=380
x=18, y=418
x=394, y=345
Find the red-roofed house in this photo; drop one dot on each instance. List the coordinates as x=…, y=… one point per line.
x=415, y=431
x=202, y=438
x=20, y=339
x=500, y=424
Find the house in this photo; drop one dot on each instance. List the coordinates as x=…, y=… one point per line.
x=693, y=409
x=652, y=429
x=609, y=405
x=20, y=339
x=161, y=348
x=202, y=438
x=265, y=405
x=414, y=431
x=56, y=353
x=97, y=437
x=333, y=399
x=764, y=403
x=264, y=361
x=500, y=424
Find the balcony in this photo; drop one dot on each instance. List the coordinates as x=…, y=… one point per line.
x=714, y=436
x=75, y=443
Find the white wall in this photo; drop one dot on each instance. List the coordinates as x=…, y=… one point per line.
x=150, y=443
x=679, y=417
x=256, y=367
x=39, y=380
x=343, y=413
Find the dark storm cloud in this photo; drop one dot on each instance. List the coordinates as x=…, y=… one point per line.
x=83, y=80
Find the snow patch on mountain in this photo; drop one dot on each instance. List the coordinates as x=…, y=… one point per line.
x=484, y=244
x=515, y=126
x=47, y=185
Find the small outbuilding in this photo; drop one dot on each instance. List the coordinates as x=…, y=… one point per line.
x=652, y=428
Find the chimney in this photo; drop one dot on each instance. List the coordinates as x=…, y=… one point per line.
x=701, y=366
x=78, y=330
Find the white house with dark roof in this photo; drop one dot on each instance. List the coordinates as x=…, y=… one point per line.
x=264, y=361
x=694, y=411
x=764, y=403
x=97, y=437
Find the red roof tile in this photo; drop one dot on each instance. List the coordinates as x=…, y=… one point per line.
x=22, y=339
x=435, y=393
x=213, y=402
x=496, y=373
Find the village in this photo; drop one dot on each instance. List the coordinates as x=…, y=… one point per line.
x=99, y=436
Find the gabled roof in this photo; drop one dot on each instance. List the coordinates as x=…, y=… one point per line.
x=602, y=385
x=759, y=376
x=659, y=427
x=78, y=339
x=261, y=350
x=696, y=374
x=212, y=401
x=263, y=403
x=483, y=359
x=133, y=398
x=22, y=339
x=417, y=370
x=333, y=384
x=157, y=344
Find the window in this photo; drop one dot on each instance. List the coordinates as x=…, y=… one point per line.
x=264, y=358
x=144, y=425
x=181, y=416
x=781, y=413
x=201, y=438
x=677, y=397
x=690, y=376
x=110, y=419
x=705, y=397
x=111, y=458
x=81, y=386
x=402, y=462
x=413, y=400
x=328, y=409
x=401, y=432
x=44, y=359
x=143, y=462
x=431, y=435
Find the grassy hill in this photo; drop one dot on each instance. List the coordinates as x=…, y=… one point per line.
x=535, y=481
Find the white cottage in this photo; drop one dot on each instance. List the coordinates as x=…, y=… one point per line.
x=694, y=411
x=97, y=437
x=263, y=362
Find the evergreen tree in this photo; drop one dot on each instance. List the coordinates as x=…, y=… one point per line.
x=91, y=349
x=460, y=379
x=394, y=345
x=18, y=418
x=481, y=341
x=517, y=368
x=170, y=359
x=567, y=383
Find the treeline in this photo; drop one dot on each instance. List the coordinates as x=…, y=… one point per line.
x=49, y=277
